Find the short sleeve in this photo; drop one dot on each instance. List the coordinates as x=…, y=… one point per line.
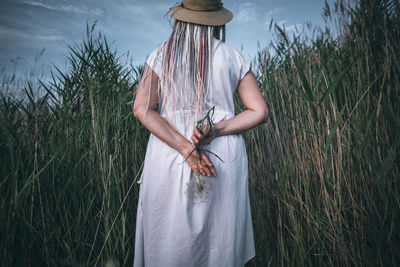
x=244, y=66
x=154, y=60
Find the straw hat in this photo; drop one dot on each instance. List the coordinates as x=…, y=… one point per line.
x=205, y=12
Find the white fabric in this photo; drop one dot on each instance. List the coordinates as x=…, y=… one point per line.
x=172, y=228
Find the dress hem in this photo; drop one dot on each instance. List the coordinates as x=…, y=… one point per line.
x=248, y=259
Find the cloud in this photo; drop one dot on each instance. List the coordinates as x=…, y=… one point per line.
x=49, y=37
x=269, y=14
x=145, y=9
x=247, y=12
x=274, y=11
x=294, y=28
x=39, y=4
x=281, y=23
x=81, y=9
x=148, y=16
x=12, y=34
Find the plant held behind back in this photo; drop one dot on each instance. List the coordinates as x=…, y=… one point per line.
x=198, y=184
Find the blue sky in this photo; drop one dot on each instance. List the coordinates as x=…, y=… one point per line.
x=29, y=26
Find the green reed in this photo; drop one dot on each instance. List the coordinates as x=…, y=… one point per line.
x=324, y=172
x=68, y=160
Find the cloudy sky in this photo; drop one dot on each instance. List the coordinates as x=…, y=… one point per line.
x=29, y=26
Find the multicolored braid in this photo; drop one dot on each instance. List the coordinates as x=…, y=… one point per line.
x=186, y=62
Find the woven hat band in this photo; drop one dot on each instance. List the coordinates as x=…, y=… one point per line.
x=205, y=5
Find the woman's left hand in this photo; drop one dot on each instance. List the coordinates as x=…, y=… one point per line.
x=199, y=163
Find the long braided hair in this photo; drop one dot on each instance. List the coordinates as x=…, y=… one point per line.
x=186, y=65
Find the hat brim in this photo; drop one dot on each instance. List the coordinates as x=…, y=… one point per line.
x=212, y=18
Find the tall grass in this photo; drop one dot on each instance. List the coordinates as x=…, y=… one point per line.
x=324, y=173
x=68, y=160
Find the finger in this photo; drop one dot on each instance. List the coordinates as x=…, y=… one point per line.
x=194, y=139
x=201, y=170
x=213, y=170
x=205, y=159
x=193, y=166
x=210, y=166
x=197, y=133
x=210, y=170
x=205, y=171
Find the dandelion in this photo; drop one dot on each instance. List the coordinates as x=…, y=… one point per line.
x=198, y=187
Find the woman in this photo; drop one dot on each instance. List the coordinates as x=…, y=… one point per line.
x=193, y=207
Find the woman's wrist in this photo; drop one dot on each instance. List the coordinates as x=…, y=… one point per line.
x=185, y=148
x=218, y=129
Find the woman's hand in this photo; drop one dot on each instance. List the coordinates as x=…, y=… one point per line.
x=198, y=163
x=205, y=136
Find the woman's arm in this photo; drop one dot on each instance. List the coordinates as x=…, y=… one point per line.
x=256, y=112
x=144, y=110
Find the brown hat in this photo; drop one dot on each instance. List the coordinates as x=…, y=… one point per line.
x=205, y=12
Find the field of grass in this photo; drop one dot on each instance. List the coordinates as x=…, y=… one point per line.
x=324, y=172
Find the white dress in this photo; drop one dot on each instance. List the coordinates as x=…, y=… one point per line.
x=173, y=229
